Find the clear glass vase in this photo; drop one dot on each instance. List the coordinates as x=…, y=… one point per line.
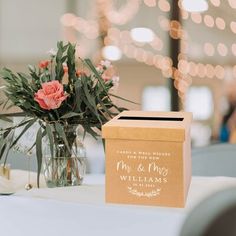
x=65, y=165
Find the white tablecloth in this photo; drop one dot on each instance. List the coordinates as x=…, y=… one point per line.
x=82, y=210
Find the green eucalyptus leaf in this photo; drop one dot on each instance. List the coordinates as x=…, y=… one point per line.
x=32, y=68
x=22, y=123
x=39, y=154
x=63, y=59
x=2, y=149
x=71, y=114
x=5, y=73
x=89, y=130
x=8, y=146
x=29, y=124
x=61, y=133
x=50, y=138
x=90, y=100
x=5, y=103
x=93, y=69
x=3, y=141
x=5, y=118
x=103, y=106
x=124, y=99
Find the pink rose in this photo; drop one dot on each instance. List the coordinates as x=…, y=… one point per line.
x=44, y=64
x=51, y=95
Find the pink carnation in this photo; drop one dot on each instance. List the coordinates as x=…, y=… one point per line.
x=51, y=95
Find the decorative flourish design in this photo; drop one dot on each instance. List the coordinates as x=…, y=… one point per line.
x=150, y=194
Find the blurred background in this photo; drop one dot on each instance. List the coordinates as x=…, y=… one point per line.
x=170, y=55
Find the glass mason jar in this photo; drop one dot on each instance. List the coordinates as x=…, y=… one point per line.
x=65, y=165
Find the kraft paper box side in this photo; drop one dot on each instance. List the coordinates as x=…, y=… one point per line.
x=140, y=149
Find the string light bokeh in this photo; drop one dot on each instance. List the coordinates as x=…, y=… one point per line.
x=120, y=40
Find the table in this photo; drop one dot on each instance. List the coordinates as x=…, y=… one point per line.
x=82, y=210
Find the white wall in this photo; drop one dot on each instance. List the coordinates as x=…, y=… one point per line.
x=28, y=28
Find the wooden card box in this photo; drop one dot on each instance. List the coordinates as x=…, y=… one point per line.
x=148, y=158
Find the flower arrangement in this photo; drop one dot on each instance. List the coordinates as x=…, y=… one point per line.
x=56, y=95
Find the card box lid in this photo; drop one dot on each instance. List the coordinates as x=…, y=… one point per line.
x=148, y=125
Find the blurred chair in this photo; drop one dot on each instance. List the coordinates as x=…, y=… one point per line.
x=214, y=216
x=214, y=160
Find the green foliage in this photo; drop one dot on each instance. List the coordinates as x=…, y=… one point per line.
x=39, y=153
x=88, y=101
